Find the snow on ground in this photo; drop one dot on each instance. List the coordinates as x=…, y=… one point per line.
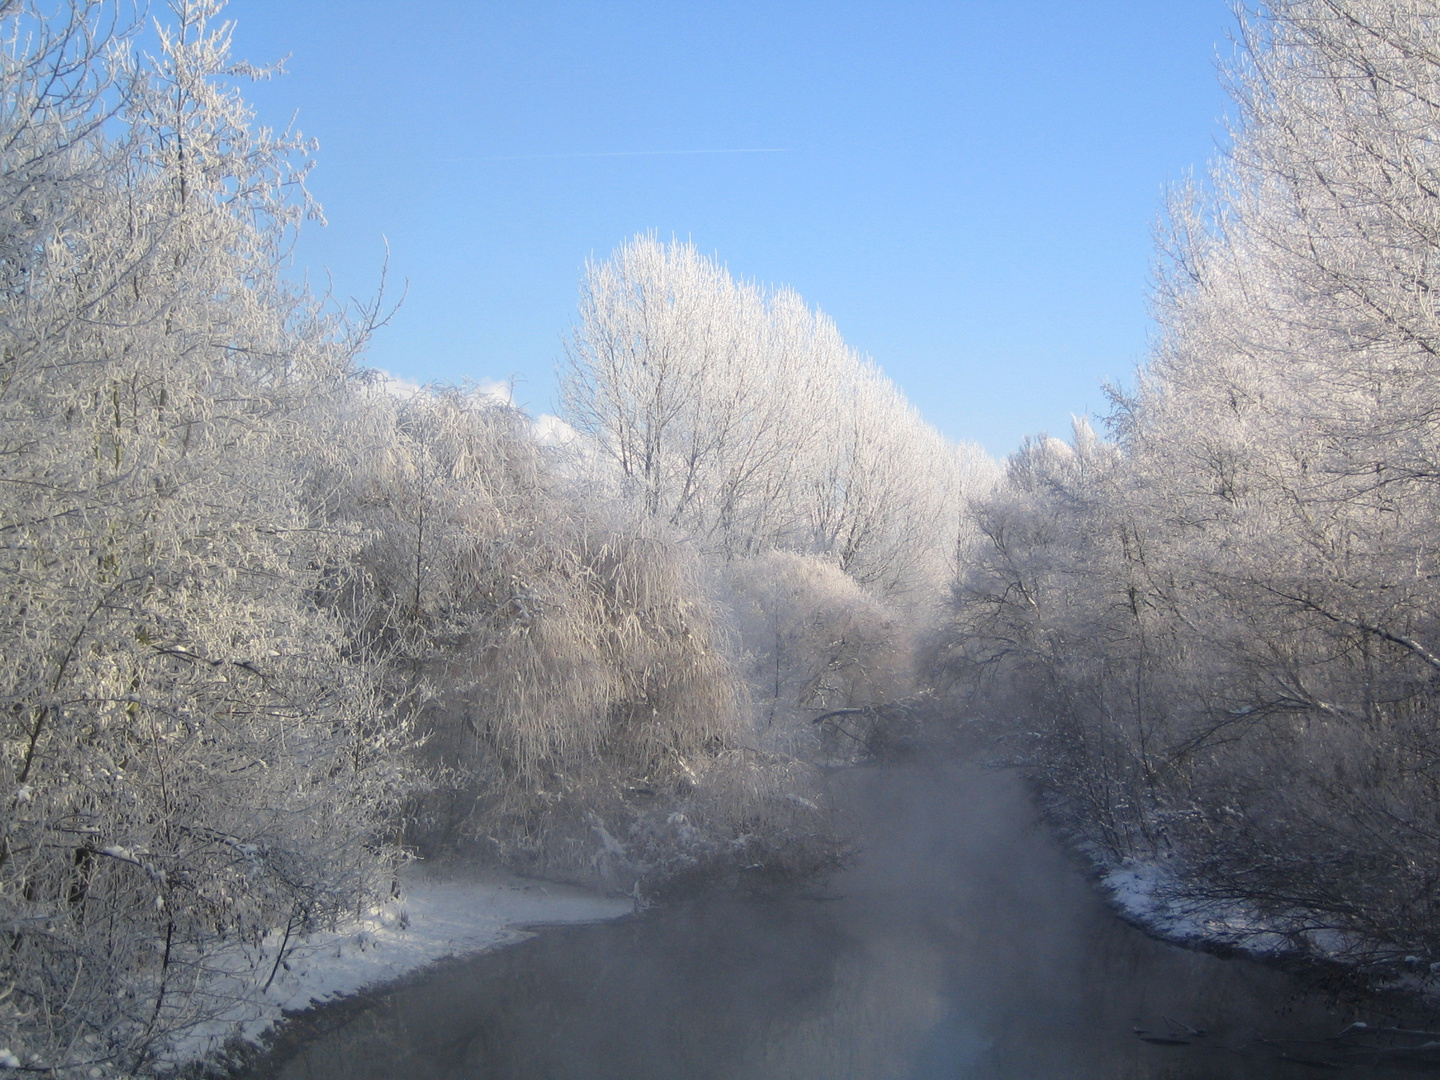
x=433, y=918
x=1147, y=893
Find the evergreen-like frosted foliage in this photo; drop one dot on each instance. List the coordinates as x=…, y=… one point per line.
x=186, y=756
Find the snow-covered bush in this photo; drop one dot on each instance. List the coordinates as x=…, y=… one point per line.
x=814, y=639
x=561, y=655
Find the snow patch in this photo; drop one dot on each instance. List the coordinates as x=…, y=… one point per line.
x=433, y=918
x=1148, y=893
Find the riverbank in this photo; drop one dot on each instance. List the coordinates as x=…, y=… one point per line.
x=436, y=915
x=1150, y=895
x=961, y=938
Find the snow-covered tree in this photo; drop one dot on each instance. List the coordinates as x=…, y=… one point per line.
x=1225, y=627
x=814, y=639
x=187, y=754
x=741, y=417
x=562, y=656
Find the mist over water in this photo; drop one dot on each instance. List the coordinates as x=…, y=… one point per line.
x=961, y=942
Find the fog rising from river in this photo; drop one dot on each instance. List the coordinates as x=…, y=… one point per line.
x=960, y=942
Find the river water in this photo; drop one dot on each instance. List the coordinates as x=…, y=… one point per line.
x=960, y=942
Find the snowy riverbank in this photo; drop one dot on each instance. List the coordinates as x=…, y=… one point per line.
x=1150, y=895
x=434, y=917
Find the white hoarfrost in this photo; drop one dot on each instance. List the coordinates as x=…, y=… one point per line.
x=433, y=918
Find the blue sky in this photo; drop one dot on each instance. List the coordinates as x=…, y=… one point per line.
x=967, y=188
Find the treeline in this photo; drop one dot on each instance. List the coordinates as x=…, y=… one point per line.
x=267, y=628
x=738, y=419
x=740, y=416
x=1217, y=636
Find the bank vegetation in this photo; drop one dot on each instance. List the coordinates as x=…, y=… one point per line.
x=270, y=629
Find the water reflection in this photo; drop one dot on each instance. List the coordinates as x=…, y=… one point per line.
x=963, y=943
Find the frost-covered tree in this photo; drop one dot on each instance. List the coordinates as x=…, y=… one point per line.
x=188, y=756
x=741, y=417
x=737, y=417
x=1225, y=627
x=562, y=656
x=814, y=639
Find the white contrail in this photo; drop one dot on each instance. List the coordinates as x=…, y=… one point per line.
x=626, y=153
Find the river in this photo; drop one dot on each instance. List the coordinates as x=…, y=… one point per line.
x=960, y=942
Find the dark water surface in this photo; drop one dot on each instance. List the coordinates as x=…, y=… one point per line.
x=961, y=942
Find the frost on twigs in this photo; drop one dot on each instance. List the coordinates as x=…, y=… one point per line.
x=562, y=658
x=188, y=756
x=1216, y=638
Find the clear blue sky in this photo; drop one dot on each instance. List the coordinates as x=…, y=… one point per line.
x=967, y=188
